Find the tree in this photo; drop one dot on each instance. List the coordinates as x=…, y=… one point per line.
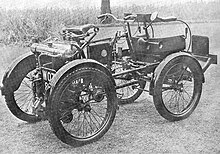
x=105, y=8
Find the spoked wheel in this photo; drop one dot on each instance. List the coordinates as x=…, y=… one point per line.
x=177, y=88
x=22, y=101
x=83, y=106
x=130, y=93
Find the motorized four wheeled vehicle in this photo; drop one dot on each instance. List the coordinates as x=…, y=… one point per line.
x=78, y=83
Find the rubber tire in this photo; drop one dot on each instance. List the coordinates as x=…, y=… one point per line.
x=157, y=97
x=14, y=108
x=54, y=120
x=131, y=99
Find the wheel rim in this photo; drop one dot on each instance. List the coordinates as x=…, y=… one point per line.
x=84, y=108
x=24, y=95
x=178, y=89
x=127, y=92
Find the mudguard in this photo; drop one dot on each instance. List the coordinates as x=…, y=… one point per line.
x=167, y=60
x=76, y=64
x=69, y=67
x=17, y=71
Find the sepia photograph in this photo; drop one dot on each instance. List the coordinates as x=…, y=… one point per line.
x=109, y=76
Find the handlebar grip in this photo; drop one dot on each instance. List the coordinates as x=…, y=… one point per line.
x=143, y=41
x=130, y=17
x=154, y=42
x=101, y=16
x=167, y=19
x=96, y=29
x=158, y=43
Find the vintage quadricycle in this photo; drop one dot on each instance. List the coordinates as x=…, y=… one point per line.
x=78, y=83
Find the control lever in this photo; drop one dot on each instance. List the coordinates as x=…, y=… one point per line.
x=141, y=41
x=101, y=16
x=186, y=32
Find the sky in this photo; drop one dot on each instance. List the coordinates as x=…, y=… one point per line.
x=21, y=4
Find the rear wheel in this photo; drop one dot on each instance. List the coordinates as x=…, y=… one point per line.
x=129, y=93
x=177, y=88
x=83, y=106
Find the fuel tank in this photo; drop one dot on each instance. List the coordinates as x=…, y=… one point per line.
x=59, y=49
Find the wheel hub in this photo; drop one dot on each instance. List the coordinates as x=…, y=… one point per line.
x=178, y=87
x=87, y=108
x=98, y=95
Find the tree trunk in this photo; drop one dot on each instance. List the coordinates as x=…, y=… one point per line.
x=105, y=8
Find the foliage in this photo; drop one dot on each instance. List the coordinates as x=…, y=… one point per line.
x=19, y=26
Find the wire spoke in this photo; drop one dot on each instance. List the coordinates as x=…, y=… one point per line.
x=23, y=96
x=98, y=114
x=92, y=121
x=95, y=118
x=171, y=98
x=25, y=83
x=89, y=124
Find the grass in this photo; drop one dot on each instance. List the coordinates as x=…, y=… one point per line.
x=9, y=53
x=19, y=26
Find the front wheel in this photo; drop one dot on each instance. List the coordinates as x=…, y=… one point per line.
x=177, y=88
x=83, y=106
x=21, y=102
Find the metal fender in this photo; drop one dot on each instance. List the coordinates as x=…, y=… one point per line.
x=69, y=67
x=76, y=64
x=17, y=71
x=166, y=61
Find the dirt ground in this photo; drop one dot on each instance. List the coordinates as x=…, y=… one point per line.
x=137, y=128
